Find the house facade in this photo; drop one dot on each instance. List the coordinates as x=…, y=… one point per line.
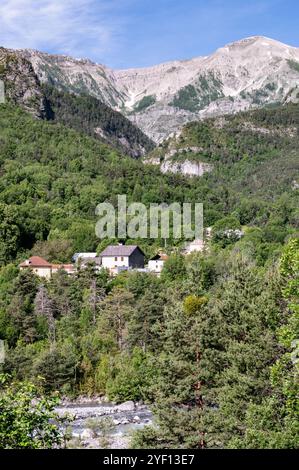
x=122, y=257
x=43, y=268
x=156, y=264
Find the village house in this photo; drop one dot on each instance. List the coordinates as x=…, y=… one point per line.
x=122, y=257
x=84, y=256
x=82, y=260
x=42, y=268
x=156, y=264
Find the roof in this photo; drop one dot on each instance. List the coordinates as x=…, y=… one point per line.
x=84, y=255
x=37, y=262
x=160, y=257
x=120, y=250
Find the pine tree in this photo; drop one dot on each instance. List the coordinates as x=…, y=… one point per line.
x=214, y=361
x=274, y=423
x=239, y=344
x=147, y=312
x=44, y=307
x=177, y=391
x=115, y=313
x=21, y=308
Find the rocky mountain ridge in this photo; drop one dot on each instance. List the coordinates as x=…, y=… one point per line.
x=85, y=113
x=250, y=73
x=21, y=85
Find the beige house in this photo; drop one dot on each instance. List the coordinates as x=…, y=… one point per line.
x=42, y=268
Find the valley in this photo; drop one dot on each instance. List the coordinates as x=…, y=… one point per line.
x=200, y=356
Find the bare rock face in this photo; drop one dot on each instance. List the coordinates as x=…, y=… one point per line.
x=79, y=76
x=250, y=73
x=22, y=87
x=187, y=168
x=247, y=74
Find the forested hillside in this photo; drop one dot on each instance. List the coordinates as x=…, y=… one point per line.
x=83, y=113
x=246, y=143
x=53, y=178
x=210, y=345
x=89, y=115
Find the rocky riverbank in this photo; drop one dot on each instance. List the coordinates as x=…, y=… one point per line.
x=90, y=416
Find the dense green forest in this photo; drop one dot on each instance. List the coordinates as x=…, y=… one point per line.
x=52, y=179
x=211, y=345
x=87, y=114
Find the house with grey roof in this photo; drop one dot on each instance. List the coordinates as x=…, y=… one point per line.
x=122, y=257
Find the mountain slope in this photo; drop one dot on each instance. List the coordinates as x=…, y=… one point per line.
x=88, y=114
x=253, y=72
x=52, y=178
x=259, y=148
x=84, y=113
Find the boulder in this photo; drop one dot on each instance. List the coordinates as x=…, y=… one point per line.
x=127, y=406
x=87, y=434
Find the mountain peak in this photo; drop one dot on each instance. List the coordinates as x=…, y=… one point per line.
x=257, y=40
x=253, y=72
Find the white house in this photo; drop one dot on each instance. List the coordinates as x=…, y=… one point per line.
x=156, y=264
x=122, y=257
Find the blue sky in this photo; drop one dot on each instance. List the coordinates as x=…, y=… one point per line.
x=137, y=33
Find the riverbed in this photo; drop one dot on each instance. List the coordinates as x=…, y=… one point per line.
x=124, y=419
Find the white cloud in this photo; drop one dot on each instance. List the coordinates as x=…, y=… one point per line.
x=69, y=26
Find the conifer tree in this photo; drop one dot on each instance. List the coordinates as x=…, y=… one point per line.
x=115, y=313
x=21, y=309
x=215, y=361
x=177, y=391
x=239, y=345
x=44, y=307
x=274, y=423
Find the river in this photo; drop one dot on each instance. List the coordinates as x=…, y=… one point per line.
x=123, y=420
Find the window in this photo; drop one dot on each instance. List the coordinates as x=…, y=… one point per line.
x=115, y=259
x=122, y=258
